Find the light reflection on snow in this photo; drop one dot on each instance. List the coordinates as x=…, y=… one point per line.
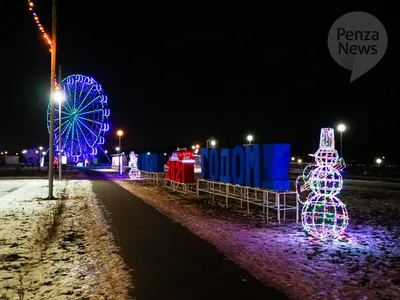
x=362, y=264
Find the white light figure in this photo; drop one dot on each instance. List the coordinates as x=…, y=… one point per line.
x=134, y=172
x=324, y=215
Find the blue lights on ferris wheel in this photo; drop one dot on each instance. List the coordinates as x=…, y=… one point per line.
x=84, y=119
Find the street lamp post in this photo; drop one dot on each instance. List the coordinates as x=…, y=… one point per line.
x=212, y=143
x=59, y=97
x=341, y=128
x=120, y=133
x=52, y=106
x=250, y=138
x=62, y=98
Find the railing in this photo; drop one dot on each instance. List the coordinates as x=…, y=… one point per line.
x=184, y=188
x=281, y=202
x=155, y=177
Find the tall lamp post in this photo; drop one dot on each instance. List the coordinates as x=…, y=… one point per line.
x=120, y=133
x=341, y=128
x=212, y=143
x=250, y=138
x=59, y=97
x=52, y=106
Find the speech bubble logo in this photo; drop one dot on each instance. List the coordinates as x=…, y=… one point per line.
x=357, y=41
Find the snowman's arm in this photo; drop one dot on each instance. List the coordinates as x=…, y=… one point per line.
x=341, y=164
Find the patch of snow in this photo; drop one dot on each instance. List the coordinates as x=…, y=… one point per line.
x=81, y=262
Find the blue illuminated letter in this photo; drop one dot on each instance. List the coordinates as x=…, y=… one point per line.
x=214, y=165
x=238, y=165
x=225, y=166
x=205, y=164
x=253, y=168
x=276, y=158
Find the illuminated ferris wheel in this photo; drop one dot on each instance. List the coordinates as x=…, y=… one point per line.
x=84, y=118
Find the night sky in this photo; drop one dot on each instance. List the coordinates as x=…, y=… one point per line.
x=176, y=75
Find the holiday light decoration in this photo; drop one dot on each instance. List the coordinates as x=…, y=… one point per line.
x=46, y=37
x=324, y=215
x=134, y=172
x=84, y=118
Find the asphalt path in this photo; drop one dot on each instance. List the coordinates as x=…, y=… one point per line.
x=168, y=261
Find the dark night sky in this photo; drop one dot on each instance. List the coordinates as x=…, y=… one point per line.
x=177, y=75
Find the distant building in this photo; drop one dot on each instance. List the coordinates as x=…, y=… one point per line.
x=12, y=160
x=116, y=159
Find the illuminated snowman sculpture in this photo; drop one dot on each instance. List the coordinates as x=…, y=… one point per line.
x=324, y=215
x=134, y=172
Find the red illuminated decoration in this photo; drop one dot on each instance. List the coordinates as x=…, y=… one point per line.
x=182, y=155
x=180, y=171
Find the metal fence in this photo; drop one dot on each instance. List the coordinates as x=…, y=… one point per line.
x=184, y=188
x=269, y=201
x=281, y=202
x=154, y=177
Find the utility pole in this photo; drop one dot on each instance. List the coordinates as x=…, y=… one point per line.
x=52, y=88
x=59, y=128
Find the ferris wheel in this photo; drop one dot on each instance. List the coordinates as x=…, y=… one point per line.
x=84, y=118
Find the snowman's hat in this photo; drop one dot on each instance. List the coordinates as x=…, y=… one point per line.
x=327, y=139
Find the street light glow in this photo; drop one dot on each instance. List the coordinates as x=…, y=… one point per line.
x=193, y=147
x=299, y=161
x=58, y=96
x=341, y=127
x=120, y=133
x=213, y=143
x=378, y=161
x=24, y=151
x=117, y=148
x=148, y=153
x=40, y=148
x=293, y=158
x=197, y=146
x=250, y=138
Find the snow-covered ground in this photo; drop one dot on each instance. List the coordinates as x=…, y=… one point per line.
x=364, y=264
x=80, y=261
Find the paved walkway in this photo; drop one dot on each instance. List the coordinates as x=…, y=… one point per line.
x=169, y=262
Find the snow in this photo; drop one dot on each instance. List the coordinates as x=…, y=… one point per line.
x=80, y=262
x=108, y=170
x=364, y=264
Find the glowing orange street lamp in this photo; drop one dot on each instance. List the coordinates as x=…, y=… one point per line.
x=120, y=133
